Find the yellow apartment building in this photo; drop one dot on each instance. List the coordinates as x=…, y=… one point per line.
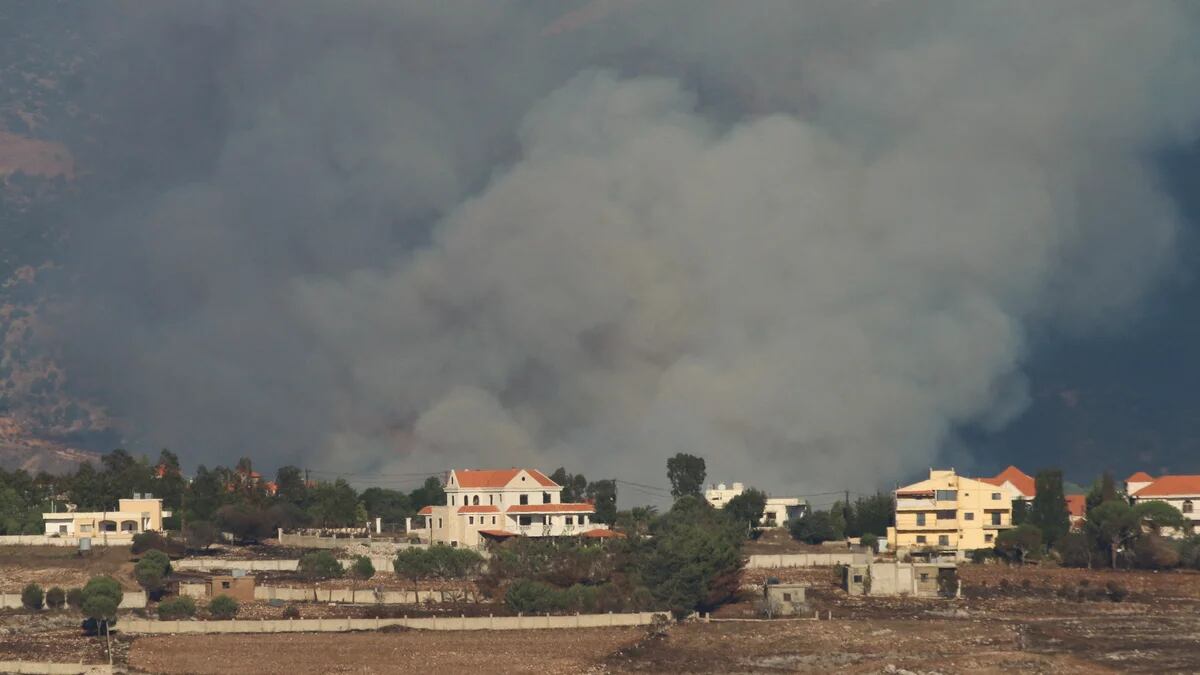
x=140, y=514
x=949, y=512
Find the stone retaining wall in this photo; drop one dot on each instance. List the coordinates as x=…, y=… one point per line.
x=130, y=600
x=340, y=625
x=363, y=596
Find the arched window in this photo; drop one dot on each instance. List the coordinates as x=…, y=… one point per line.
x=451, y=500
x=475, y=500
x=1187, y=506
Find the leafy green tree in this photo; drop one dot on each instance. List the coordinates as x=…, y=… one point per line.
x=574, y=485
x=1078, y=550
x=686, y=473
x=1049, y=512
x=204, y=495
x=362, y=569
x=1104, y=490
x=320, y=565
x=170, y=485
x=1020, y=511
x=151, y=572
x=223, y=607
x=99, y=600
x=603, y=494
x=32, y=597
x=1016, y=544
x=1156, y=515
x=431, y=493
x=245, y=522
x=290, y=487
x=1113, y=524
x=390, y=505
x=437, y=562
x=873, y=514
x=746, y=509
x=636, y=521
x=695, y=562
x=199, y=535
x=333, y=504
x=814, y=527
x=56, y=598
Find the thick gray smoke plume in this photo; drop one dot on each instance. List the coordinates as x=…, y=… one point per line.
x=806, y=241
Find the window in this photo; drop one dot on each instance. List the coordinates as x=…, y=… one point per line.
x=787, y=597
x=525, y=520
x=946, y=495
x=969, y=515
x=439, y=522
x=490, y=497
x=947, y=515
x=920, y=519
x=924, y=576
x=545, y=497
x=475, y=500
x=524, y=499
x=224, y=584
x=943, y=540
x=989, y=537
x=451, y=500
x=570, y=520
x=995, y=496
x=493, y=520
x=470, y=520
x=62, y=529
x=996, y=517
x=920, y=539
x=1187, y=506
x=858, y=578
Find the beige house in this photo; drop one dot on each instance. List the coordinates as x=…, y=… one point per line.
x=949, y=512
x=777, y=512
x=493, y=505
x=140, y=514
x=1181, y=491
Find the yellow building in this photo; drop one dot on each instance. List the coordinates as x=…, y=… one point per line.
x=949, y=512
x=141, y=514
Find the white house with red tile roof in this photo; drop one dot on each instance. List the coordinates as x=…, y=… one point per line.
x=1182, y=492
x=501, y=503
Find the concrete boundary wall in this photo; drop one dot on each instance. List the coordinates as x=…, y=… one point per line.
x=316, y=541
x=382, y=564
x=430, y=623
x=129, y=600
x=364, y=596
x=54, y=668
x=807, y=560
x=113, y=539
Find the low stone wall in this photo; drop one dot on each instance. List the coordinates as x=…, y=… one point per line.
x=52, y=668
x=807, y=560
x=430, y=623
x=315, y=541
x=130, y=600
x=363, y=596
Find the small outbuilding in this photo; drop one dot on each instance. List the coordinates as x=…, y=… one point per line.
x=918, y=580
x=784, y=599
x=238, y=586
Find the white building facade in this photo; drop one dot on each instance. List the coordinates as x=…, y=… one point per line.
x=778, y=510
x=484, y=505
x=1180, y=491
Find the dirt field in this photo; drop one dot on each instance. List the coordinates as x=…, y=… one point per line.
x=411, y=651
x=62, y=566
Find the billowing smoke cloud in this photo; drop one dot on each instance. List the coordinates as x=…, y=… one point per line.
x=807, y=241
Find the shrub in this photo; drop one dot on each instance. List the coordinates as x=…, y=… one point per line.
x=291, y=612
x=56, y=598
x=362, y=569
x=75, y=598
x=200, y=534
x=1079, y=550
x=320, y=565
x=32, y=597
x=223, y=607
x=153, y=541
x=1151, y=552
x=982, y=555
x=870, y=540
x=180, y=607
x=1116, y=592
x=1017, y=544
x=528, y=597
x=101, y=598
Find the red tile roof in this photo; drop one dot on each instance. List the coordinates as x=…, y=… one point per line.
x=498, y=533
x=1167, y=486
x=483, y=508
x=603, y=534
x=472, y=478
x=1140, y=477
x=552, y=508
x=1077, y=505
x=1022, y=481
x=425, y=511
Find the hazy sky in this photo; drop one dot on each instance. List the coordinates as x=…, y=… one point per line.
x=820, y=244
